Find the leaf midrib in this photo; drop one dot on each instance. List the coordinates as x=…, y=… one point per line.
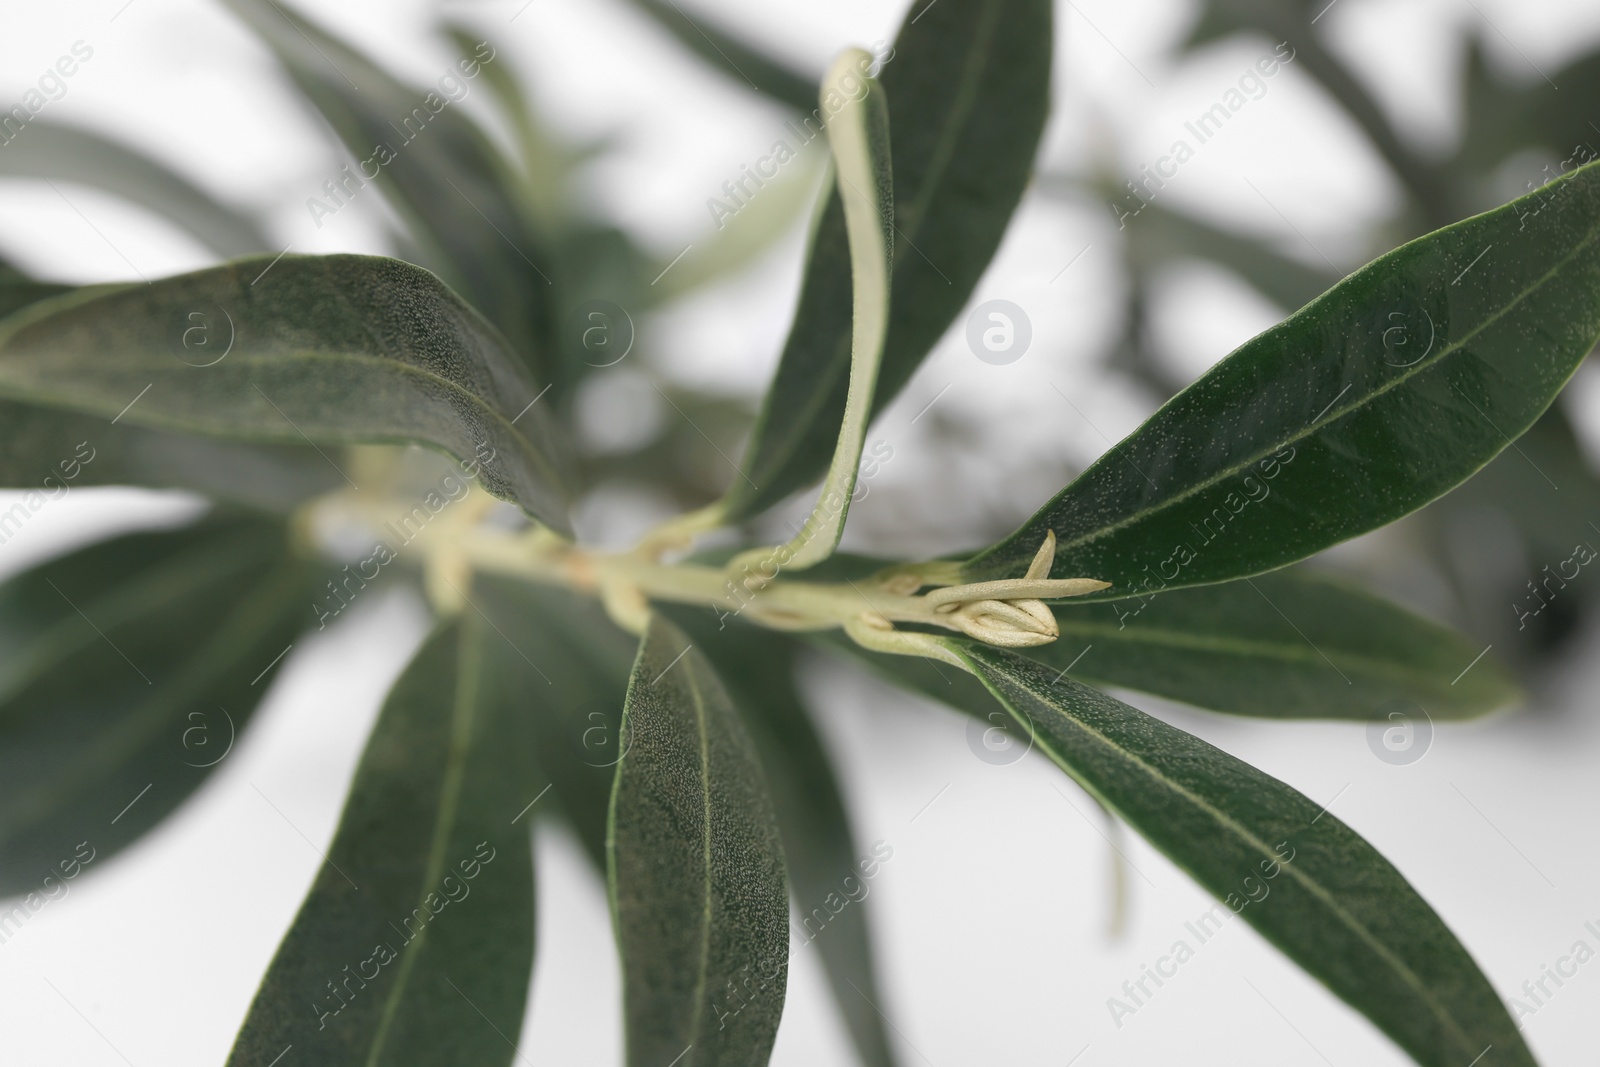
x=1228, y=822
x=703, y=729
x=1317, y=426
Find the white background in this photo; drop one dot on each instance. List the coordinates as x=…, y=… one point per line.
x=991, y=919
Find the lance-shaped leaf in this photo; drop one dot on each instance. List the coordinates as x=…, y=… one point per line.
x=825, y=867
x=697, y=877
x=48, y=449
x=44, y=149
x=440, y=171
x=1377, y=397
x=736, y=58
x=55, y=451
x=1286, y=645
x=415, y=943
x=126, y=671
x=1304, y=880
x=859, y=137
x=579, y=662
x=968, y=87
x=302, y=350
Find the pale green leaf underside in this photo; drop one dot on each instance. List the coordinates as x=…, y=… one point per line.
x=968, y=88
x=859, y=137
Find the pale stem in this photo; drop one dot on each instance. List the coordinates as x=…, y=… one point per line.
x=1009, y=614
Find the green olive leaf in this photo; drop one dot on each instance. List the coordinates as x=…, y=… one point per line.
x=758, y=669
x=18, y=290
x=304, y=350
x=127, y=671
x=697, y=881
x=1292, y=644
x=52, y=452
x=579, y=661
x=1385, y=393
x=1305, y=881
x=415, y=944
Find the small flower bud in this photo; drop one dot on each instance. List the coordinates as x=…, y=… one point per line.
x=1008, y=625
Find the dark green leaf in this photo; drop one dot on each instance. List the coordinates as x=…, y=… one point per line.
x=825, y=867
x=43, y=149
x=435, y=165
x=55, y=451
x=325, y=349
x=697, y=876
x=968, y=88
x=1304, y=880
x=415, y=944
x=740, y=61
x=1379, y=396
x=126, y=670
x=1287, y=645
x=46, y=448
x=579, y=661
